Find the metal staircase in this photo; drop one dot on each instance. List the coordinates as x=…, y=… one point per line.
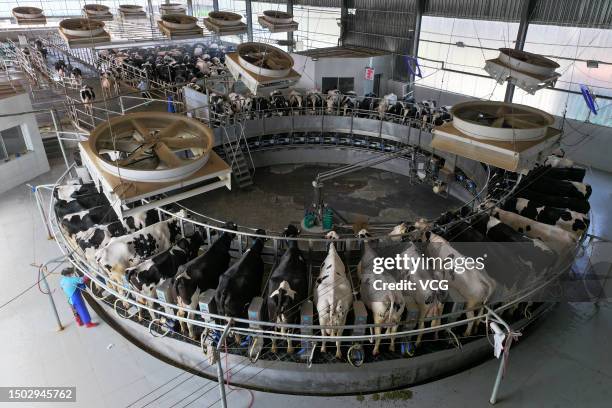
x=241, y=166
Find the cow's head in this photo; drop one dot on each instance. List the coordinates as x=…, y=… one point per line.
x=283, y=300
x=184, y=287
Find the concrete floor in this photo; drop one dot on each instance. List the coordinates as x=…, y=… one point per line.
x=564, y=363
x=283, y=192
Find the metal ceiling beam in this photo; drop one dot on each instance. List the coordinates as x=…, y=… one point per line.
x=527, y=10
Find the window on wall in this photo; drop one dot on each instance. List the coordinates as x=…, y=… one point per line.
x=343, y=84
x=12, y=142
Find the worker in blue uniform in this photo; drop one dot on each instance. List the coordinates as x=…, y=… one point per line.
x=72, y=286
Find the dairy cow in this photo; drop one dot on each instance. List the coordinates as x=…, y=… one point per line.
x=474, y=284
x=580, y=205
x=387, y=306
x=69, y=192
x=83, y=220
x=424, y=299
x=151, y=273
x=557, y=239
x=78, y=203
x=549, y=185
x=332, y=295
x=569, y=220
x=287, y=286
x=129, y=250
x=97, y=237
x=241, y=282
x=202, y=273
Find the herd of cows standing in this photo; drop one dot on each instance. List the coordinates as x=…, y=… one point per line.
x=546, y=212
x=194, y=65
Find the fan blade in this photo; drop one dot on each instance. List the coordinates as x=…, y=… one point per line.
x=134, y=156
x=140, y=128
x=499, y=122
x=167, y=156
x=170, y=130
x=119, y=145
x=183, y=142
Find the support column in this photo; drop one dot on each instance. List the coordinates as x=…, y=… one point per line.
x=343, y=22
x=190, y=7
x=416, y=36
x=216, y=5
x=526, y=11
x=249, y=19
x=290, y=48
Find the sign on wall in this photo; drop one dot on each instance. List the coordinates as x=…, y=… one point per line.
x=369, y=74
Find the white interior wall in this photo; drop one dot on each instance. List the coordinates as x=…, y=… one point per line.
x=31, y=164
x=313, y=71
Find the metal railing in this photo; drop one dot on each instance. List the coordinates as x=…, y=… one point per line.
x=209, y=321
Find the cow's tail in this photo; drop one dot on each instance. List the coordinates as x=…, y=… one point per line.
x=391, y=307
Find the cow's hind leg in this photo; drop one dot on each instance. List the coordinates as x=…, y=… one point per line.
x=338, y=332
x=376, y=351
x=469, y=314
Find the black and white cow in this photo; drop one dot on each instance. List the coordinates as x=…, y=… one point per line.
x=569, y=220
x=69, y=192
x=348, y=103
x=88, y=98
x=296, y=102
x=79, y=203
x=387, y=306
x=314, y=101
x=368, y=104
x=202, y=273
x=580, y=205
x=287, y=287
x=279, y=103
x=531, y=251
x=241, y=282
x=332, y=100
x=556, y=238
x=140, y=220
x=559, y=173
x=332, y=295
x=129, y=250
x=563, y=188
x=154, y=271
x=97, y=237
x=83, y=220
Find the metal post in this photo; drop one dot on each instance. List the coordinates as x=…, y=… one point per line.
x=40, y=209
x=190, y=7
x=59, y=139
x=343, y=21
x=216, y=5
x=416, y=36
x=220, y=379
x=290, y=47
x=150, y=8
x=528, y=6
x=249, y=18
x=43, y=279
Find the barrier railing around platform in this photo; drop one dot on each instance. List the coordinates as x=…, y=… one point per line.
x=131, y=296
